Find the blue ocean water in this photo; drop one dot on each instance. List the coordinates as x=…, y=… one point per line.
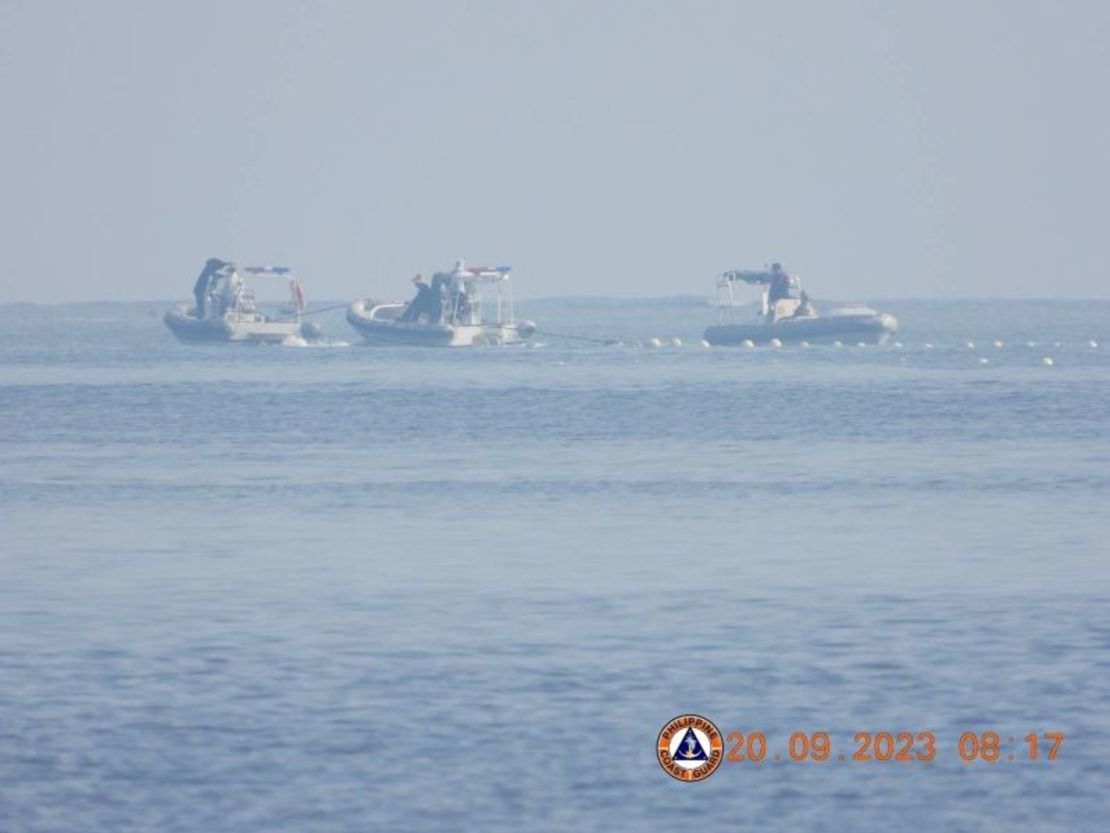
x=353, y=588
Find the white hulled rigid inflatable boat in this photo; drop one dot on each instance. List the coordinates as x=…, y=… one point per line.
x=467, y=307
x=225, y=309
x=786, y=314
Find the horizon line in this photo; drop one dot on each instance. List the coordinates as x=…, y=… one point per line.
x=578, y=297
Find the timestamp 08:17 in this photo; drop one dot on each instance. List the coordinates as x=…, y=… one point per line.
x=802, y=747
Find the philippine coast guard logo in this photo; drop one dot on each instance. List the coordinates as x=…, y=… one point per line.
x=690, y=748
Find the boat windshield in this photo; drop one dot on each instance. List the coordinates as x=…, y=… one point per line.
x=481, y=295
x=228, y=292
x=778, y=289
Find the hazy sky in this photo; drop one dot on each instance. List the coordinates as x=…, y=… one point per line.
x=878, y=148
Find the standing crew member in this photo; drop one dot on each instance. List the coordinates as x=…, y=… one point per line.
x=422, y=303
x=782, y=283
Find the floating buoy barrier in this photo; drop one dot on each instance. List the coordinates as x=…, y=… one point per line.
x=998, y=344
x=654, y=342
x=838, y=343
x=704, y=343
x=1055, y=344
x=1047, y=361
x=775, y=342
x=676, y=342
x=928, y=346
x=747, y=343
x=984, y=360
x=970, y=345
x=861, y=344
x=803, y=344
x=1092, y=344
x=1030, y=344
x=897, y=345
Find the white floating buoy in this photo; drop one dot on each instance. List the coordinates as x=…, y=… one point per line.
x=803, y=344
x=654, y=342
x=861, y=344
x=1092, y=344
x=747, y=343
x=928, y=346
x=998, y=344
x=1047, y=361
x=676, y=342
x=897, y=345
x=838, y=343
x=775, y=342
x=1055, y=344
x=984, y=360
x=704, y=343
x=970, y=345
x=1030, y=344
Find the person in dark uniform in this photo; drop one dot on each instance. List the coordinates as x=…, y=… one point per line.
x=780, y=284
x=200, y=288
x=438, y=297
x=421, y=304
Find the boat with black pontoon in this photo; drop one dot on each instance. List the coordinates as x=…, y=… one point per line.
x=469, y=306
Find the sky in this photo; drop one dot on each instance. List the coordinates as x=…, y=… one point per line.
x=879, y=149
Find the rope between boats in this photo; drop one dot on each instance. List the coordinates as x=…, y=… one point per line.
x=307, y=313
x=550, y=334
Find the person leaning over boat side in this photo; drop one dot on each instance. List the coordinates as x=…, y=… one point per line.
x=203, y=286
x=200, y=289
x=420, y=304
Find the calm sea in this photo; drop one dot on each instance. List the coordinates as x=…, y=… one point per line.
x=346, y=588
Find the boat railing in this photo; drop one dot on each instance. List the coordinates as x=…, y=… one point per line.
x=478, y=302
x=726, y=296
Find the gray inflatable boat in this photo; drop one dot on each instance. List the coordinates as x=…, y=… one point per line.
x=786, y=313
x=451, y=312
x=225, y=310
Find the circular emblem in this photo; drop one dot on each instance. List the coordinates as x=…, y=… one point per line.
x=690, y=748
